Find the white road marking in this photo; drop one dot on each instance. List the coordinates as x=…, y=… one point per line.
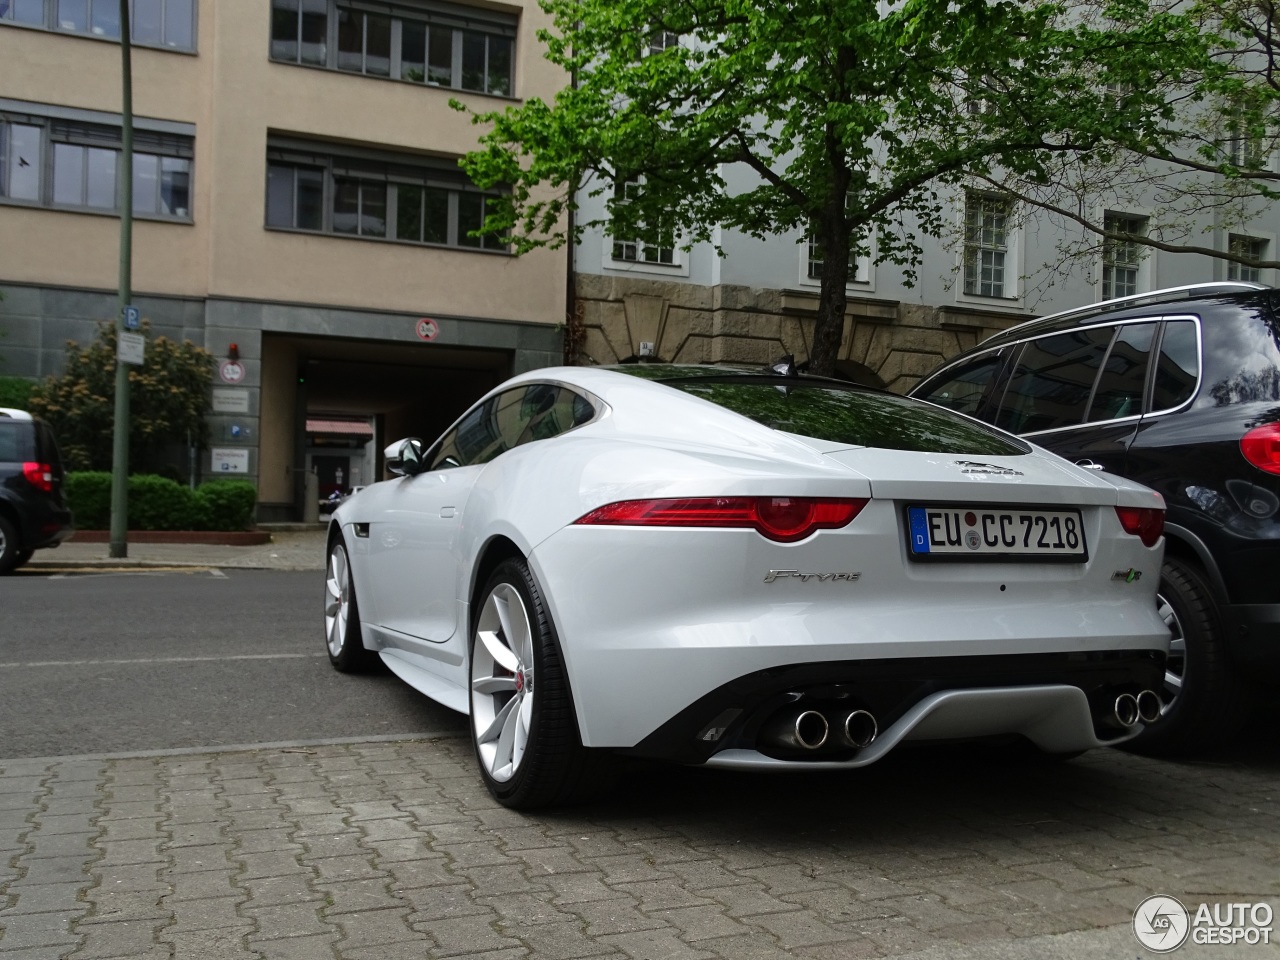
x=100, y=663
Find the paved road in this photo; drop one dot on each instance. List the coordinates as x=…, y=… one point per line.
x=390, y=848
x=146, y=660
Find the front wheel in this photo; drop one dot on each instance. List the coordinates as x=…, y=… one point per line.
x=342, y=615
x=523, y=727
x=1202, y=698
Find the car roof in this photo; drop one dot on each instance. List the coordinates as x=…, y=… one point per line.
x=12, y=414
x=1139, y=305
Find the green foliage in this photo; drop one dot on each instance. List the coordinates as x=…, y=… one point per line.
x=168, y=400
x=15, y=392
x=158, y=503
x=833, y=118
x=226, y=504
x=88, y=493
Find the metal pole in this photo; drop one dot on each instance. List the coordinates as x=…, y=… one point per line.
x=119, y=546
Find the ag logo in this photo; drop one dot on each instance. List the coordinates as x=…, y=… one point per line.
x=1161, y=924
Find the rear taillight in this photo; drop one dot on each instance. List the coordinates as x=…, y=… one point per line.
x=784, y=519
x=1261, y=447
x=1144, y=522
x=39, y=475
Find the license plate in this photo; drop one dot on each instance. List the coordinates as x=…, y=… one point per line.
x=970, y=533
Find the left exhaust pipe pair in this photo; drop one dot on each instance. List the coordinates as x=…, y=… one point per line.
x=810, y=730
x=1130, y=709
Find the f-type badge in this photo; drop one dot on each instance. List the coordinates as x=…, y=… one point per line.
x=775, y=575
x=969, y=466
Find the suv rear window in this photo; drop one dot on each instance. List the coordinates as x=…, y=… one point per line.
x=17, y=441
x=856, y=417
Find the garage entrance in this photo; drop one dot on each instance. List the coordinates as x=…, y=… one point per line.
x=330, y=406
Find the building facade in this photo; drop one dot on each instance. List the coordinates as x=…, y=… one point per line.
x=296, y=194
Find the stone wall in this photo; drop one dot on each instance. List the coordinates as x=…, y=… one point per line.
x=885, y=341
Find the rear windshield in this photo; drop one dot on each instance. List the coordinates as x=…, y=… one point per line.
x=856, y=417
x=17, y=440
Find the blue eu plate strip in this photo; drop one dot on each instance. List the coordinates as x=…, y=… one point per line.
x=919, y=530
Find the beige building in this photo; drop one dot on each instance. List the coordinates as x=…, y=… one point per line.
x=297, y=195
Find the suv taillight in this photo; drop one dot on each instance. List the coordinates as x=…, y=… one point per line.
x=1261, y=447
x=1144, y=522
x=39, y=475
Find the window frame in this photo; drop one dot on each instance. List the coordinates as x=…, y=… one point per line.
x=1010, y=283
x=677, y=266
x=52, y=22
x=862, y=278
x=394, y=172
x=461, y=21
x=1262, y=275
x=1142, y=264
x=92, y=132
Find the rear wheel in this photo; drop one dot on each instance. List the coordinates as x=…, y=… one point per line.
x=523, y=727
x=8, y=547
x=342, y=615
x=1202, y=697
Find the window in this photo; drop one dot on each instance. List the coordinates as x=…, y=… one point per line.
x=70, y=164
x=536, y=411
x=964, y=388
x=421, y=41
x=1178, y=368
x=986, y=244
x=1121, y=258
x=638, y=251
x=1052, y=381
x=1251, y=248
x=155, y=23
x=661, y=40
x=1122, y=381
x=859, y=266
x=373, y=194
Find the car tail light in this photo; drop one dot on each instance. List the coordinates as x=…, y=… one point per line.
x=1261, y=447
x=1144, y=522
x=784, y=519
x=39, y=475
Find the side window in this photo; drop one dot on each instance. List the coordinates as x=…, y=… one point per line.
x=475, y=439
x=1052, y=381
x=1178, y=368
x=965, y=387
x=549, y=411
x=1124, y=375
x=538, y=411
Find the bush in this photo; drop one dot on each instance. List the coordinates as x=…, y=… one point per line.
x=226, y=504
x=89, y=496
x=158, y=503
x=16, y=392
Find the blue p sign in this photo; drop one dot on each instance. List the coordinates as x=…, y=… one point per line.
x=132, y=318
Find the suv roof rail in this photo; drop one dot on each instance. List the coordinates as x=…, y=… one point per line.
x=1165, y=295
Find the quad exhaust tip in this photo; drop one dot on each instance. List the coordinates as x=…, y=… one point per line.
x=1130, y=709
x=860, y=729
x=1148, y=706
x=810, y=730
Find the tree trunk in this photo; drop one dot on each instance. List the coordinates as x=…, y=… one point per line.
x=828, y=330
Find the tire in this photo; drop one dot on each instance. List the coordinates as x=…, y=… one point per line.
x=1202, y=701
x=342, y=634
x=523, y=731
x=9, y=551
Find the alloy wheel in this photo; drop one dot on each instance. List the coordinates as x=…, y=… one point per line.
x=1176, y=664
x=337, y=592
x=502, y=696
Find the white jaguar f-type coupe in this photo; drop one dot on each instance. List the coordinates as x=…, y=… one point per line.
x=745, y=570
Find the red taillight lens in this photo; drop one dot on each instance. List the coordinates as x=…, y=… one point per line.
x=39, y=475
x=1261, y=447
x=1144, y=522
x=784, y=519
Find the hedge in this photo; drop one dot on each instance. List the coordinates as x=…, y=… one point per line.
x=158, y=503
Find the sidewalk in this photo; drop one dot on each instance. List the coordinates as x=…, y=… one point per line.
x=292, y=547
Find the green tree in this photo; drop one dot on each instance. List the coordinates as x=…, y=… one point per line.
x=834, y=116
x=169, y=397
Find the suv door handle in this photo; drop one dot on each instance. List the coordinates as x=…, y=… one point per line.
x=1089, y=465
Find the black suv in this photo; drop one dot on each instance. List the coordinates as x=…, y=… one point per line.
x=1180, y=390
x=33, y=512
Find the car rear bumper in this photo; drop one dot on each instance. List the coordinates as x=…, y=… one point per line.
x=46, y=528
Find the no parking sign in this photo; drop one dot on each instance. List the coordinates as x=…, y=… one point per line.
x=427, y=329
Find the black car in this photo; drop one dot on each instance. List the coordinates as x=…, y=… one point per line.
x=33, y=511
x=1180, y=390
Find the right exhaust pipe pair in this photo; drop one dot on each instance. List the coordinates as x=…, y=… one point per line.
x=810, y=729
x=1129, y=708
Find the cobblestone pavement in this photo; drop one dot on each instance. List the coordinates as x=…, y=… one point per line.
x=393, y=849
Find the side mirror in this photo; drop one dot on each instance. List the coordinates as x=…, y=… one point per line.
x=404, y=457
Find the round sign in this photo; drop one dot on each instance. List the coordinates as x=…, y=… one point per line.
x=427, y=328
x=231, y=371
x=1161, y=924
